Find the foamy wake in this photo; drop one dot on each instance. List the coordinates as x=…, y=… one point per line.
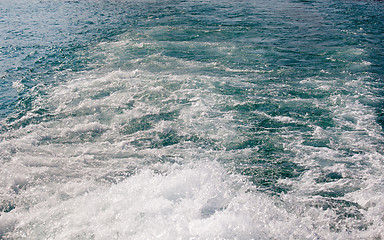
x=193, y=201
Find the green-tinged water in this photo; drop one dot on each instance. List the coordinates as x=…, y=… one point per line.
x=191, y=119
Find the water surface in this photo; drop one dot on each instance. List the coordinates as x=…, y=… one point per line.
x=191, y=119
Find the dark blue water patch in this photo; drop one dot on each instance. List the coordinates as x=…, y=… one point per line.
x=265, y=174
x=6, y=207
x=146, y=122
x=8, y=96
x=329, y=177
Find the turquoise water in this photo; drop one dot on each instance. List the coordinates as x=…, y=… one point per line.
x=191, y=119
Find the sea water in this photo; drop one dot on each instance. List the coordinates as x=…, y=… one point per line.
x=191, y=119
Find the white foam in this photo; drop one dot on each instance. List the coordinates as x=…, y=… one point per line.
x=192, y=201
x=18, y=86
